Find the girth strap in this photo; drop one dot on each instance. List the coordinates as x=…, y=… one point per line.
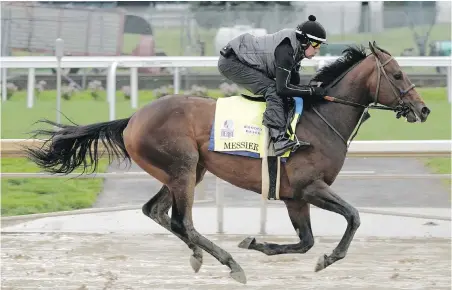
x=328, y=123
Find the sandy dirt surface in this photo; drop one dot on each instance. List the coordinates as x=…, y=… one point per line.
x=150, y=261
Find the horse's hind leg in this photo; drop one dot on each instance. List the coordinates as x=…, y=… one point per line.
x=300, y=217
x=321, y=195
x=157, y=209
x=182, y=187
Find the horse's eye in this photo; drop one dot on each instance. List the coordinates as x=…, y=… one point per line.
x=398, y=76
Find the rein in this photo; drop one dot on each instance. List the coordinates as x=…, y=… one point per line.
x=401, y=109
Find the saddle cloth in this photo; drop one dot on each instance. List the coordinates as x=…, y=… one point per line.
x=237, y=128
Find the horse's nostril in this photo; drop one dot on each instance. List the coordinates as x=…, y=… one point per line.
x=425, y=111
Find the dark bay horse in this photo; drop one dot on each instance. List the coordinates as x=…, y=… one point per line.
x=169, y=139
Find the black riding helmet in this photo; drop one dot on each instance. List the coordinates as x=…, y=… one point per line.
x=311, y=31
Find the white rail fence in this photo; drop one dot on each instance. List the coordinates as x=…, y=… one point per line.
x=175, y=62
x=410, y=148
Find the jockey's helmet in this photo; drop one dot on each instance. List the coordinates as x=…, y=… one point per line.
x=311, y=32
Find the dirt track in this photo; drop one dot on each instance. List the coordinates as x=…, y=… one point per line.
x=93, y=261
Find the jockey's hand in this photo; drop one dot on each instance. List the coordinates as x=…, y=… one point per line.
x=319, y=92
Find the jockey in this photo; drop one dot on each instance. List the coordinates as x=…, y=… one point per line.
x=268, y=65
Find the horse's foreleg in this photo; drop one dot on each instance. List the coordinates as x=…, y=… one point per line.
x=320, y=194
x=300, y=217
x=182, y=188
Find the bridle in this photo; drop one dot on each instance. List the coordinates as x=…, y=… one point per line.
x=401, y=108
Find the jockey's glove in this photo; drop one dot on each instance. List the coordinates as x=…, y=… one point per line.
x=318, y=92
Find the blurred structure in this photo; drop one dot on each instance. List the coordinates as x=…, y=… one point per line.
x=178, y=28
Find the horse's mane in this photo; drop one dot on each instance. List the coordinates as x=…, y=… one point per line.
x=350, y=56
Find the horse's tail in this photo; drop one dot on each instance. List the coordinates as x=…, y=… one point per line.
x=71, y=146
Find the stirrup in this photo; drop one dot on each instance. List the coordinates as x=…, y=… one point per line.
x=297, y=145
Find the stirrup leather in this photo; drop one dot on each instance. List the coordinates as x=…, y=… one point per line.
x=297, y=145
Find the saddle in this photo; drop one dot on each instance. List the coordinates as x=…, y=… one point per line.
x=238, y=130
x=290, y=109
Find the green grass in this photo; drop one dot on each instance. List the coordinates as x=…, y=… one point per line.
x=397, y=39
x=33, y=195
x=17, y=119
x=440, y=166
x=384, y=126
x=394, y=40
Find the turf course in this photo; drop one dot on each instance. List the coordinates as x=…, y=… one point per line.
x=17, y=119
x=34, y=195
x=25, y=196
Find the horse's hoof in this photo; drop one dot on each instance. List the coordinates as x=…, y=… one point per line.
x=195, y=263
x=321, y=263
x=239, y=276
x=246, y=243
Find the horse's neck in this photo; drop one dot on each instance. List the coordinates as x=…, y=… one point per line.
x=344, y=118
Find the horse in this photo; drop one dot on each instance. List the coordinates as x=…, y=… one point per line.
x=169, y=138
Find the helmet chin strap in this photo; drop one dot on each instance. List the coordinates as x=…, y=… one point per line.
x=304, y=44
x=300, y=54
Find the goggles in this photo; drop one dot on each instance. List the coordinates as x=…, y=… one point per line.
x=314, y=43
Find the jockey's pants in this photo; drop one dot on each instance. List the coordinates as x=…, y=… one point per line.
x=259, y=84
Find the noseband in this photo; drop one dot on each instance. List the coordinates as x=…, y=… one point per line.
x=401, y=109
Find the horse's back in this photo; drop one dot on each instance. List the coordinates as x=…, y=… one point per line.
x=173, y=114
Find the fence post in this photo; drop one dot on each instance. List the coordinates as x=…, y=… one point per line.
x=201, y=191
x=219, y=198
x=4, y=90
x=134, y=87
x=59, y=49
x=31, y=87
x=449, y=83
x=111, y=92
x=176, y=81
x=263, y=220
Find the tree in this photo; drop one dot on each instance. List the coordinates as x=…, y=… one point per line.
x=421, y=39
x=420, y=17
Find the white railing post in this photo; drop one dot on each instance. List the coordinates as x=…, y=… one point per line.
x=263, y=220
x=219, y=198
x=176, y=80
x=59, y=49
x=134, y=87
x=31, y=87
x=201, y=191
x=449, y=83
x=4, y=80
x=111, y=91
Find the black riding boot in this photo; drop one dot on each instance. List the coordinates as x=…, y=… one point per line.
x=275, y=117
x=282, y=143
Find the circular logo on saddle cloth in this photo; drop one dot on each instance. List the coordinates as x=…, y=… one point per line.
x=228, y=124
x=228, y=129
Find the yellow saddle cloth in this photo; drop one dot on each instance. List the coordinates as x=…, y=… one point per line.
x=238, y=129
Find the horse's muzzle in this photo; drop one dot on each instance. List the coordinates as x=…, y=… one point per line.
x=418, y=113
x=424, y=113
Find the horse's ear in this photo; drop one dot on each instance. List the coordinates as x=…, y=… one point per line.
x=372, y=48
x=375, y=43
